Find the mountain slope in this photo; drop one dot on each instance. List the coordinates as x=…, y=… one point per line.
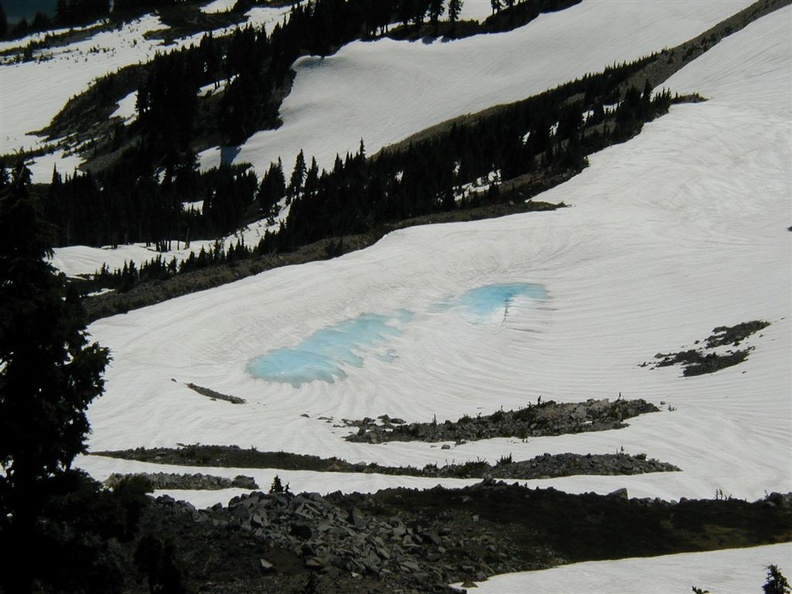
x=668, y=238
x=681, y=230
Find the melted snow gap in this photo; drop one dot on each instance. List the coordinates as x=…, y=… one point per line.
x=324, y=355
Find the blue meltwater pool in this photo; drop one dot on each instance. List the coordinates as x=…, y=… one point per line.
x=325, y=354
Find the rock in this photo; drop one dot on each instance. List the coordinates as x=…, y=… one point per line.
x=357, y=518
x=399, y=530
x=434, y=538
x=240, y=511
x=244, y=482
x=410, y=565
x=314, y=563
x=266, y=566
x=619, y=493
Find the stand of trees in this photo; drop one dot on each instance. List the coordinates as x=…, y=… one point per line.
x=547, y=135
x=78, y=12
x=150, y=208
x=67, y=13
x=532, y=145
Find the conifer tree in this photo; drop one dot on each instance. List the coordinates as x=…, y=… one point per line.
x=49, y=374
x=297, y=176
x=454, y=10
x=776, y=582
x=436, y=8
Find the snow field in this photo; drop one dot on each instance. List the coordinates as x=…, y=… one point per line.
x=666, y=238
x=679, y=231
x=32, y=93
x=734, y=571
x=384, y=91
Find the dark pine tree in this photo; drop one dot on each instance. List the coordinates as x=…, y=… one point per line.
x=436, y=8
x=49, y=374
x=454, y=10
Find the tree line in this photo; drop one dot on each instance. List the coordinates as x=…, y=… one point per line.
x=153, y=163
x=525, y=147
x=547, y=135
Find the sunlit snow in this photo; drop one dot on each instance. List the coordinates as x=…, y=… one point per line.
x=437, y=81
x=680, y=230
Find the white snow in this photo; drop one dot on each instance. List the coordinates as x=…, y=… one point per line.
x=472, y=10
x=127, y=108
x=678, y=231
x=434, y=82
x=735, y=571
x=218, y=6
x=79, y=259
x=32, y=93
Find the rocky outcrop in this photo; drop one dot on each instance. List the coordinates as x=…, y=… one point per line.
x=410, y=541
x=706, y=358
x=170, y=480
x=552, y=465
x=542, y=418
x=544, y=466
x=332, y=539
x=215, y=395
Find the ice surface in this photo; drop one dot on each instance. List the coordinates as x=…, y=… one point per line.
x=323, y=355
x=482, y=303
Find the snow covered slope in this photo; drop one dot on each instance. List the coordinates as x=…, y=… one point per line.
x=385, y=91
x=680, y=230
x=725, y=572
x=33, y=92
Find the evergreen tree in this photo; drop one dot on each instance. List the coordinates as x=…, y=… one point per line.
x=436, y=8
x=454, y=10
x=297, y=176
x=49, y=374
x=776, y=582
